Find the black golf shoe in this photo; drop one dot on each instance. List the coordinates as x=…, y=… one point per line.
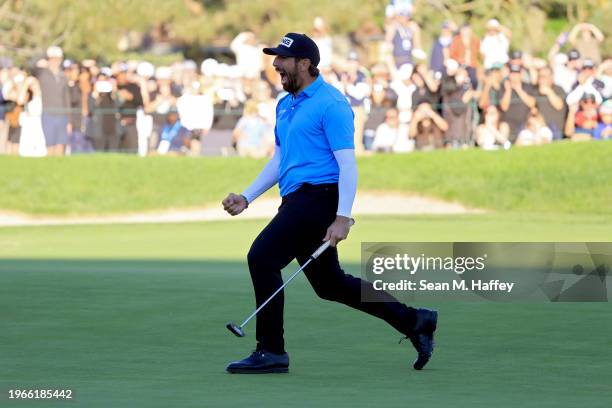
x=422, y=336
x=260, y=362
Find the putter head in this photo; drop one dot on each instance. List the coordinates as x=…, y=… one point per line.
x=234, y=328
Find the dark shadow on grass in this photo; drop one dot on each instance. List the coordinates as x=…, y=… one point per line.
x=133, y=265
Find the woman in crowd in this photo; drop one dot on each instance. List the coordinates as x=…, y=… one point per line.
x=536, y=132
x=391, y=136
x=32, y=141
x=427, y=128
x=493, y=133
x=582, y=118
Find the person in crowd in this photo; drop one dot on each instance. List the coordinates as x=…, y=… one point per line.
x=55, y=101
x=550, y=102
x=391, y=136
x=425, y=87
x=129, y=98
x=162, y=99
x=32, y=141
x=248, y=54
x=404, y=36
x=189, y=74
x=492, y=88
x=141, y=73
x=103, y=129
x=404, y=88
x=321, y=37
x=86, y=87
x=174, y=138
x=229, y=99
x=382, y=99
x=440, y=50
x=251, y=133
x=495, y=44
x=357, y=91
x=78, y=143
x=427, y=128
x=528, y=65
x=517, y=101
x=582, y=119
x=603, y=131
x=587, y=83
x=5, y=106
x=493, y=133
x=566, y=67
x=586, y=38
x=11, y=90
x=535, y=132
x=465, y=49
x=604, y=74
x=574, y=64
x=196, y=114
x=457, y=94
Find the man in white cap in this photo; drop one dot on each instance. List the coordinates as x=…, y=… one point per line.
x=55, y=101
x=495, y=44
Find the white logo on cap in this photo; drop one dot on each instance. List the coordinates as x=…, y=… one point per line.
x=286, y=41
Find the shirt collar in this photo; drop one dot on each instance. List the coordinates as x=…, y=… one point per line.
x=313, y=87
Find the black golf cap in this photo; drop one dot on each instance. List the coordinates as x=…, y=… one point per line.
x=516, y=55
x=296, y=45
x=573, y=55
x=588, y=64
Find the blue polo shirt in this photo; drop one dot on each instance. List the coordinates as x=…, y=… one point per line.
x=309, y=128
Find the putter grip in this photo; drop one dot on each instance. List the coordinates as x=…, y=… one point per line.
x=321, y=249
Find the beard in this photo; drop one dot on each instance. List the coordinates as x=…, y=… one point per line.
x=289, y=80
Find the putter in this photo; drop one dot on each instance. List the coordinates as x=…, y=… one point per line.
x=239, y=330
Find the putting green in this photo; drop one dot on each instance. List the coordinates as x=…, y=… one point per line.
x=134, y=315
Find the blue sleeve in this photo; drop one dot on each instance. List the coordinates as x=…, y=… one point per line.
x=338, y=126
x=598, y=131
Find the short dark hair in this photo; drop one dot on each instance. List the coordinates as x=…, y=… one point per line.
x=313, y=71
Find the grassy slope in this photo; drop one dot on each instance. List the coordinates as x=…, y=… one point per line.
x=231, y=240
x=561, y=178
x=126, y=330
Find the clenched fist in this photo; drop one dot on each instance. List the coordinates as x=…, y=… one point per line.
x=234, y=204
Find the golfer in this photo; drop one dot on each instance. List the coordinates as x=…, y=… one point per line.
x=314, y=165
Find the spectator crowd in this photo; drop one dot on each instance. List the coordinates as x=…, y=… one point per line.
x=468, y=91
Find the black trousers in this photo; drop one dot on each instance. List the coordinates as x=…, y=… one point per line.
x=297, y=231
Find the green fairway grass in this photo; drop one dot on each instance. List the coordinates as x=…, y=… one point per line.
x=560, y=178
x=134, y=316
